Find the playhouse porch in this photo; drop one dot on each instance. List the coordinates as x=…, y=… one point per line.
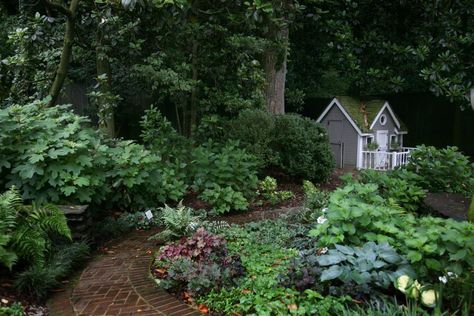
x=385, y=160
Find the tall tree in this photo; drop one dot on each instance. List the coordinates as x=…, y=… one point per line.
x=61, y=72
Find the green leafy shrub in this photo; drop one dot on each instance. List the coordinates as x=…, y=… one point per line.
x=224, y=199
x=212, y=128
x=159, y=135
x=254, y=129
x=178, y=222
x=303, y=147
x=268, y=191
x=443, y=170
x=357, y=214
x=25, y=230
x=224, y=166
x=50, y=154
x=392, y=185
x=198, y=264
x=139, y=178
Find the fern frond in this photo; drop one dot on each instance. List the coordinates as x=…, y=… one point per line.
x=10, y=201
x=50, y=219
x=30, y=243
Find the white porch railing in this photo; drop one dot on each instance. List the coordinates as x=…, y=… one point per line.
x=385, y=160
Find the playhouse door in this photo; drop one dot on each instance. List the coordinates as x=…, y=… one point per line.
x=335, y=138
x=381, y=156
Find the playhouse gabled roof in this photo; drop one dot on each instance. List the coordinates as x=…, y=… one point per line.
x=363, y=112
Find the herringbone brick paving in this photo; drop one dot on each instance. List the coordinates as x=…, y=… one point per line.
x=118, y=284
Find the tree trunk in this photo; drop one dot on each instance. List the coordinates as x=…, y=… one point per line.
x=470, y=212
x=275, y=72
x=107, y=122
x=193, y=110
x=61, y=72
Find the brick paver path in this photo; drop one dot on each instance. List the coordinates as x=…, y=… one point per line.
x=117, y=284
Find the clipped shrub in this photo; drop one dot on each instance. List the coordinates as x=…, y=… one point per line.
x=443, y=170
x=196, y=264
x=303, y=147
x=255, y=130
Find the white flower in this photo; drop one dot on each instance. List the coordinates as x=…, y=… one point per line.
x=324, y=250
x=402, y=283
x=324, y=210
x=321, y=219
x=429, y=298
x=443, y=279
x=452, y=275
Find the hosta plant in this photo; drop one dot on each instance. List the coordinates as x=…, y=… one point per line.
x=224, y=199
x=357, y=214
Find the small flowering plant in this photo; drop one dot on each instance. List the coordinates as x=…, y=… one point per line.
x=428, y=296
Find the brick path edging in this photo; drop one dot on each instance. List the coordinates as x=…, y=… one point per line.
x=119, y=283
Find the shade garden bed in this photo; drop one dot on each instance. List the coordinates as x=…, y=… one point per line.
x=348, y=258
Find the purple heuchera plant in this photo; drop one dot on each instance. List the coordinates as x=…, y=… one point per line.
x=198, y=247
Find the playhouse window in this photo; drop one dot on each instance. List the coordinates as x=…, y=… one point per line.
x=383, y=119
x=393, y=139
x=369, y=140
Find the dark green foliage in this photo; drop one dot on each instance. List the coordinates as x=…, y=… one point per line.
x=139, y=179
x=255, y=131
x=25, y=230
x=37, y=281
x=225, y=175
x=443, y=170
x=198, y=264
x=51, y=155
x=303, y=147
x=296, y=144
x=138, y=220
x=110, y=228
x=398, y=185
x=432, y=245
x=212, y=128
x=15, y=309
